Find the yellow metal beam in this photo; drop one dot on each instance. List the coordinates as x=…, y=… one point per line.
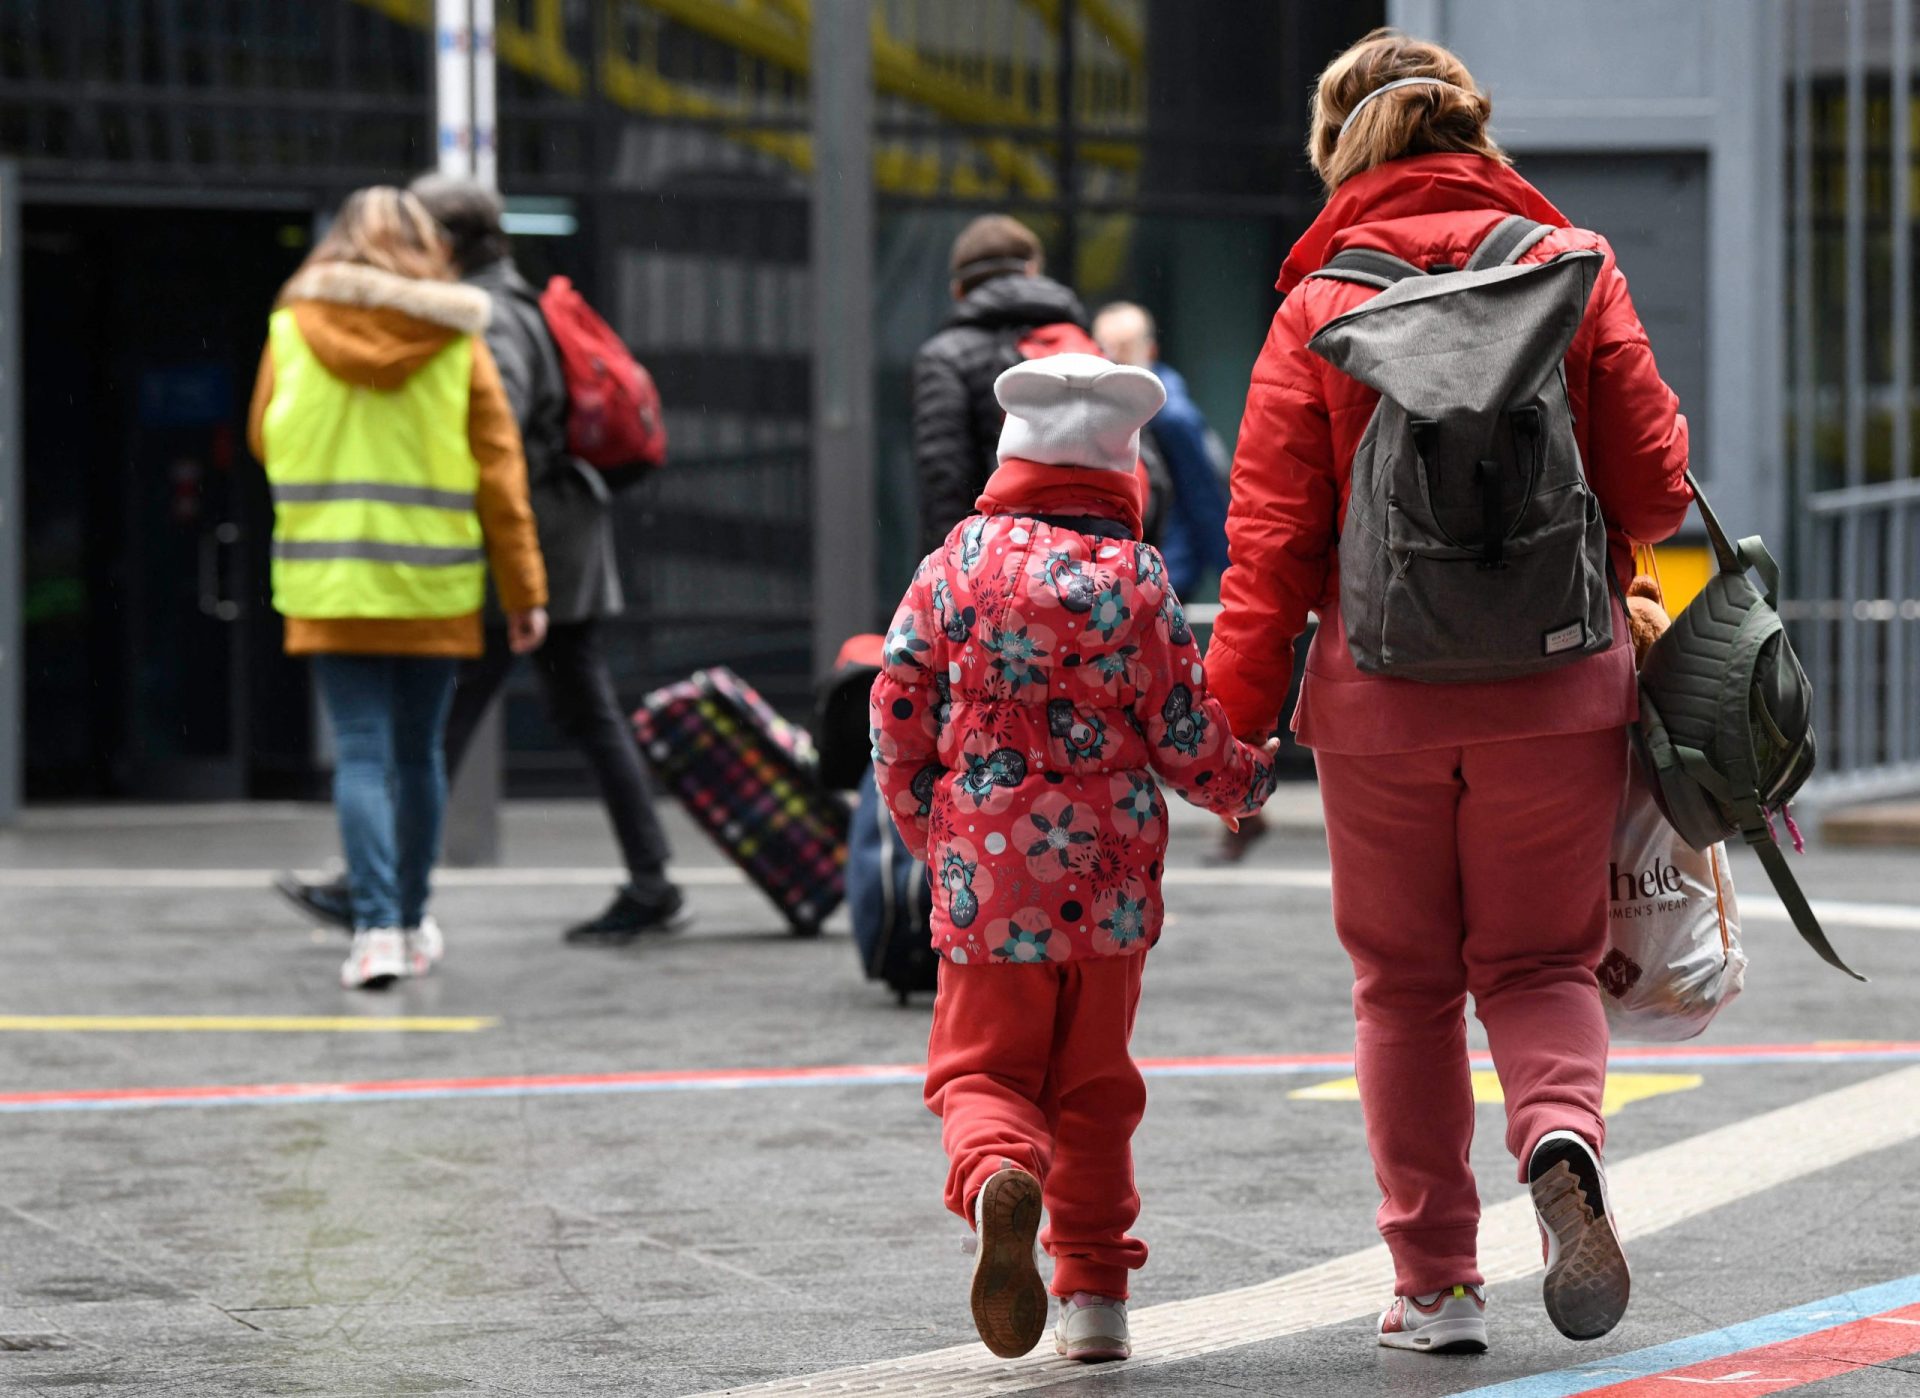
x=896, y=70
x=418, y=13
x=776, y=31
x=540, y=49
x=640, y=89
x=1127, y=41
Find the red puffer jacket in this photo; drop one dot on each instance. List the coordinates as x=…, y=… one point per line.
x=1035, y=677
x=1304, y=419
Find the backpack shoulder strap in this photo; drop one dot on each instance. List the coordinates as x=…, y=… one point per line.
x=1774, y=861
x=1507, y=243
x=1367, y=266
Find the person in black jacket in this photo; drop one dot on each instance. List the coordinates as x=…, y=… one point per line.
x=1000, y=296
x=572, y=508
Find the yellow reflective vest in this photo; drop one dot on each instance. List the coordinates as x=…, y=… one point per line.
x=373, y=490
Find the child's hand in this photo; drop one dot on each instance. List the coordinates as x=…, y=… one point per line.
x=1268, y=751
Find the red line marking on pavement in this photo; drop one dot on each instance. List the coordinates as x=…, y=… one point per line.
x=1774, y=1368
x=229, y=1091
x=853, y=1073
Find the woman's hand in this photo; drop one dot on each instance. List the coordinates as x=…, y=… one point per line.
x=526, y=630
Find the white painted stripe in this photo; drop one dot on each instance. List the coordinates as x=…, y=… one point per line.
x=1652, y=1191
x=1320, y=879
x=1890, y=917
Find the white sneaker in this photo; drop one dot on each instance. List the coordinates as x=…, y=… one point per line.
x=1009, y=1299
x=1587, y=1283
x=1092, y=1329
x=1453, y=1321
x=425, y=946
x=377, y=959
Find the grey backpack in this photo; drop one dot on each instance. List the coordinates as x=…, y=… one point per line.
x=1472, y=548
x=1726, y=723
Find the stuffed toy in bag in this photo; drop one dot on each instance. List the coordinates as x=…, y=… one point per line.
x=1647, y=618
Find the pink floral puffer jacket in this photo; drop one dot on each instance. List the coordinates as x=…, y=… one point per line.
x=1032, y=677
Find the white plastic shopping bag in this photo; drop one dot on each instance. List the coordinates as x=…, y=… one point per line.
x=1673, y=956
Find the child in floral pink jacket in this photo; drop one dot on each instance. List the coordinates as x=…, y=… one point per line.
x=1039, y=671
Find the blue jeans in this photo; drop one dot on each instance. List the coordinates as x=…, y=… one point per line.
x=389, y=778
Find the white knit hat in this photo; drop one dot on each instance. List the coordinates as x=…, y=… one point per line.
x=1076, y=410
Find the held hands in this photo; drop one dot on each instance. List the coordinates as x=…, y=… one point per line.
x=1268, y=750
x=526, y=630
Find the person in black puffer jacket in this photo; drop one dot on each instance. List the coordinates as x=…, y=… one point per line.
x=1000, y=296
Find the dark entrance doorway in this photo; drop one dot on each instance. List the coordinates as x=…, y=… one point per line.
x=153, y=664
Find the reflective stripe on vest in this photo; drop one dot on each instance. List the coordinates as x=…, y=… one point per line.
x=373, y=489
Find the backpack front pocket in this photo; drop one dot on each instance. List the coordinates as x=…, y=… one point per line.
x=1446, y=617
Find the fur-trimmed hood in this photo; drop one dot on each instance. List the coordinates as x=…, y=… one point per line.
x=376, y=329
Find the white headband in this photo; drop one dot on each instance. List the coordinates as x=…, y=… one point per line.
x=1389, y=87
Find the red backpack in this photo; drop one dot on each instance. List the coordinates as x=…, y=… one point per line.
x=613, y=409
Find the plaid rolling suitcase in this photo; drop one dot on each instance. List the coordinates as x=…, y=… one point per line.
x=748, y=777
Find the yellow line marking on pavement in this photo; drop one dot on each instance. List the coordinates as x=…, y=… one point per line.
x=1652, y=1191
x=122, y=880
x=1622, y=1089
x=242, y=1024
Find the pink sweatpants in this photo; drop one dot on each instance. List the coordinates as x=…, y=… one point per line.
x=1477, y=870
x=1030, y=1065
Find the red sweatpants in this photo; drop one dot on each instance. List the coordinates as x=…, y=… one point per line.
x=1029, y=1064
x=1477, y=870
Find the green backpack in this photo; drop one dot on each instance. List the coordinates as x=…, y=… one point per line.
x=1726, y=718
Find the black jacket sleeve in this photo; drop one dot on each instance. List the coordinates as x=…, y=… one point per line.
x=944, y=453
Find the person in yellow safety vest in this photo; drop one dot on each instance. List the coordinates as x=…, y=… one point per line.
x=398, y=481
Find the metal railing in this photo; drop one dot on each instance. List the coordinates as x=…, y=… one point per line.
x=1855, y=605
x=1857, y=626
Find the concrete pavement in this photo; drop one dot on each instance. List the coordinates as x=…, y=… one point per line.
x=583, y=1195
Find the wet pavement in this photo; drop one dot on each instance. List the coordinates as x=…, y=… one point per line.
x=557, y=1171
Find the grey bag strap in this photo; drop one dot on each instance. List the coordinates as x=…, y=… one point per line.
x=1367, y=266
x=1737, y=558
x=1510, y=239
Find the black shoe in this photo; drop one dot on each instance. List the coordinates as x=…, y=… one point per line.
x=629, y=915
x=329, y=904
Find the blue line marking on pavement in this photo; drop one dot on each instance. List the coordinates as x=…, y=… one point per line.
x=1713, y=1344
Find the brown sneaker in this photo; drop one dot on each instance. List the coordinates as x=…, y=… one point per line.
x=1587, y=1285
x=1009, y=1299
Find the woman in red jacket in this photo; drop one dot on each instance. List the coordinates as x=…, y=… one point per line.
x=1468, y=824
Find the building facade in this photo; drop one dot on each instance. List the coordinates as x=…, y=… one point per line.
x=172, y=163
x=169, y=165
